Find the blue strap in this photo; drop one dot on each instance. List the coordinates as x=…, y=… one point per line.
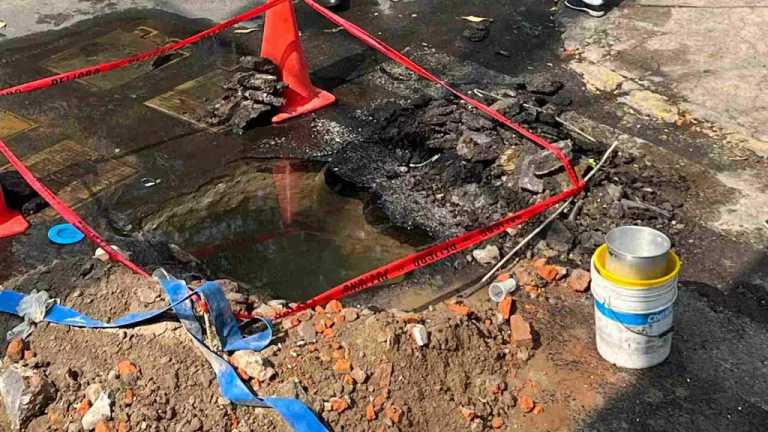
x=232, y=388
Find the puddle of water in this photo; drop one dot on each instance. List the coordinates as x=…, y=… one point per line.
x=284, y=231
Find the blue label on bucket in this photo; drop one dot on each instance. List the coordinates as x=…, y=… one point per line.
x=633, y=319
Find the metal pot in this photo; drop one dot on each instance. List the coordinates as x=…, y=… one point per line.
x=637, y=252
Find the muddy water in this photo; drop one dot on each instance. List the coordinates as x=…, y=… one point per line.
x=282, y=227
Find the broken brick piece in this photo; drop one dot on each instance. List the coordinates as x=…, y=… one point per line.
x=329, y=333
x=505, y=307
x=343, y=366
x=467, y=413
x=334, y=306
x=538, y=409
x=319, y=326
x=83, y=408
x=378, y=402
x=525, y=403
x=348, y=380
x=460, y=309
x=126, y=367
x=370, y=412
x=15, y=350
x=497, y=423
x=29, y=355
x=123, y=426
x=521, y=331
x=548, y=272
x=338, y=319
x=579, y=280
x=128, y=397
x=103, y=426
x=394, y=413
x=339, y=405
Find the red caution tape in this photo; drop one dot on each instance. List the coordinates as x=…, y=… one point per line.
x=390, y=52
x=65, y=211
x=117, y=64
x=432, y=254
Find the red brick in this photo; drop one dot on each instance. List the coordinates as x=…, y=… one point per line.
x=125, y=368
x=15, y=351
x=521, y=331
x=460, y=309
x=339, y=405
x=370, y=412
x=342, y=366
x=334, y=306
x=83, y=407
x=505, y=307
x=525, y=403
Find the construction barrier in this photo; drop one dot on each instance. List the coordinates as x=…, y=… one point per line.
x=307, y=98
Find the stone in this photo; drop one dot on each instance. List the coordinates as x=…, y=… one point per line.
x=350, y=314
x=359, y=375
x=15, y=351
x=334, y=306
x=370, y=413
x=559, y=237
x=103, y=426
x=194, y=425
x=419, y=334
x=250, y=362
x=26, y=393
x=100, y=410
x=339, y=405
x=146, y=294
x=342, y=366
x=521, y=331
x=459, y=309
x=538, y=409
x=543, y=84
x=394, y=414
x=307, y=331
x=579, y=280
x=477, y=31
x=497, y=423
x=467, y=413
x=93, y=391
x=126, y=368
x=487, y=256
x=525, y=403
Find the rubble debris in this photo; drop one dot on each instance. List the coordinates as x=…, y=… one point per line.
x=521, y=331
x=525, y=403
x=26, y=393
x=15, y=351
x=486, y=256
x=579, y=280
x=419, y=334
x=497, y=423
x=100, y=411
x=505, y=308
x=251, y=96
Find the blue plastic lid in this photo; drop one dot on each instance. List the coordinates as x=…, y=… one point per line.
x=65, y=234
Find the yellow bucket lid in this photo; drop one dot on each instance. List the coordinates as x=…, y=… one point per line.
x=673, y=265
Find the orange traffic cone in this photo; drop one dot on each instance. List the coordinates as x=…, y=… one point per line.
x=282, y=45
x=11, y=221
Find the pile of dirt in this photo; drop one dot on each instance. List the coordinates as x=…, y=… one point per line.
x=252, y=96
x=456, y=367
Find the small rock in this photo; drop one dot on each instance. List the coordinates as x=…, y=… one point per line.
x=307, y=331
x=370, y=413
x=419, y=334
x=250, y=362
x=266, y=374
x=460, y=309
x=467, y=413
x=350, y=314
x=525, y=403
x=521, y=331
x=359, y=375
x=194, y=425
x=497, y=423
x=15, y=351
x=99, y=411
x=579, y=280
x=505, y=307
x=394, y=414
x=339, y=405
x=126, y=368
x=538, y=409
x=342, y=366
x=146, y=295
x=488, y=256
x=103, y=426
x=93, y=391
x=334, y=306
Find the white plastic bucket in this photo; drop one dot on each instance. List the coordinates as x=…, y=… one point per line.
x=634, y=321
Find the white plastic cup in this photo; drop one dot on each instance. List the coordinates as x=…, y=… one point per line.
x=499, y=289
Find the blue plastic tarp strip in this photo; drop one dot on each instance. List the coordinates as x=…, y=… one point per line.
x=232, y=388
